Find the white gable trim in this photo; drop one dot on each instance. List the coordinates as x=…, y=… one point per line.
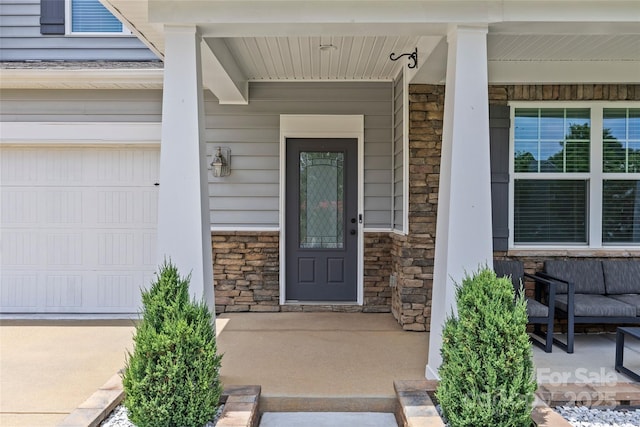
x=322, y=126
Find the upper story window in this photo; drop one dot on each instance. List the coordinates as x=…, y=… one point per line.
x=576, y=172
x=90, y=17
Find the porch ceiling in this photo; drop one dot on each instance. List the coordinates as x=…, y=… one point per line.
x=529, y=41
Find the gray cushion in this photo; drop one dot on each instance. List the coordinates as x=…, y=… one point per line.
x=631, y=299
x=536, y=308
x=585, y=274
x=596, y=305
x=622, y=277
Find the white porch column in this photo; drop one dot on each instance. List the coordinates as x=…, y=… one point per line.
x=463, y=230
x=184, y=230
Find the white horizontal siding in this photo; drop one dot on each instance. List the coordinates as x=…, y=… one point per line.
x=81, y=105
x=249, y=196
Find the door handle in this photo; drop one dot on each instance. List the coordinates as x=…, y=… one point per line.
x=352, y=232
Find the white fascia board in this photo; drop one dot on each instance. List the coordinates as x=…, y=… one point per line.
x=221, y=74
x=389, y=11
x=16, y=78
x=557, y=72
x=79, y=133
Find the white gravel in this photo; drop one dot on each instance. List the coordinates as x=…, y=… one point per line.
x=581, y=416
x=119, y=418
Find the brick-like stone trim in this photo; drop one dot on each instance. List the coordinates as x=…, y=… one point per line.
x=246, y=274
x=246, y=271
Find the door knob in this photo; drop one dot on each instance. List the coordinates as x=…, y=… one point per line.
x=352, y=232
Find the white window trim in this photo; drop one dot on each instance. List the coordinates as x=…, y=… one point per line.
x=69, y=32
x=322, y=126
x=595, y=177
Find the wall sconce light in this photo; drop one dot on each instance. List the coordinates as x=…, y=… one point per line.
x=221, y=164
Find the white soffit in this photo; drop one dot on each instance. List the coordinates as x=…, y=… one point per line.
x=320, y=58
x=280, y=40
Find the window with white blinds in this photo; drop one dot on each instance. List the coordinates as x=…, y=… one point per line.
x=621, y=167
x=576, y=175
x=91, y=17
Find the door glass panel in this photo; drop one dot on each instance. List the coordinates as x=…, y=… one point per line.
x=321, y=200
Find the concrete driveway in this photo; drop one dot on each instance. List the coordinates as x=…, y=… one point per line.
x=48, y=368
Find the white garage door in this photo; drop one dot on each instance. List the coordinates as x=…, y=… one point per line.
x=78, y=228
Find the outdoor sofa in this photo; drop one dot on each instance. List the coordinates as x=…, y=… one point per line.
x=593, y=291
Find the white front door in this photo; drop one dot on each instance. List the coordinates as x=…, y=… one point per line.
x=78, y=228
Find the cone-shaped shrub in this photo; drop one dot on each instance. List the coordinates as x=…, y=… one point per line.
x=487, y=370
x=172, y=377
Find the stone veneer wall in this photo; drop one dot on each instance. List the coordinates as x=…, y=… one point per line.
x=412, y=255
x=246, y=274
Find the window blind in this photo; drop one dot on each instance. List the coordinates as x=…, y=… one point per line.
x=621, y=212
x=90, y=16
x=550, y=211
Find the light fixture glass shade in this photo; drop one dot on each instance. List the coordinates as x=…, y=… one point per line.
x=220, y=164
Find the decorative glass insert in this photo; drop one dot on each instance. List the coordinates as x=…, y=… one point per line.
x=550, y=211
x=90, y=16
x=552, y=140
x=621, y=212
x=621, y=139
x=321, y=200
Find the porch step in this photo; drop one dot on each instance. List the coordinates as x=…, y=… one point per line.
x=327, y=419
x=327, y=404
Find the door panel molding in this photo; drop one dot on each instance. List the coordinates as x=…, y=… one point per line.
x=322, y=126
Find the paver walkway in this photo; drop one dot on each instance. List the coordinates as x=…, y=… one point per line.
x=327, y=419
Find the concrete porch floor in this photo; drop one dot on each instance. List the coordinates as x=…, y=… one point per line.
x=320, y=361
x=348, y=361
x=592, y=361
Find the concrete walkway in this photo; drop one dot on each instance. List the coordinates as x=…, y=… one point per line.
x=48, y=369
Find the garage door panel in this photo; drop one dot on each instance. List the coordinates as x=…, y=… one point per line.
x=64, y=249
x=64, y=291
x=18, y=207
x=19, y=291
x=78, y=228
x=117, y=290
x=62, y=167
x=62, y=207
x=20, y=248
x=15, y=167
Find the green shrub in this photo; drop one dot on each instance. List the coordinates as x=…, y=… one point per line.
x=487, y=376
x=172, y=377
